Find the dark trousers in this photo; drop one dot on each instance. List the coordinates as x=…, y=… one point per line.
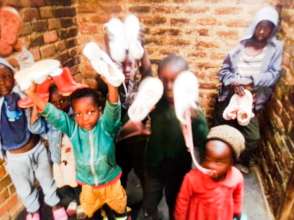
x=251, y=132
x=168, y=176
x=130, y=155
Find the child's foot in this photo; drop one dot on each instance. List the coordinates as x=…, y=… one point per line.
x=59, y=214
x=80, y=213
x=33, y=216
x=72, y=208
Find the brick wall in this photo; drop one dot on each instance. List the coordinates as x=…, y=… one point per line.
x=49, y=30
x=203, y=31
x=277, y=156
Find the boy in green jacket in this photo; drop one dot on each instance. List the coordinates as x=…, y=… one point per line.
x=92, y=138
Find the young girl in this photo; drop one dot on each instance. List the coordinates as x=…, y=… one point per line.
x=167, y=158
x=220, y=196
x=25, y=154
x=92, y=138
x=254, y=64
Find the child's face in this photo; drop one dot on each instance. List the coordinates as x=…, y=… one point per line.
x=263, y=31
x=168, y=76
x=59, y=101
x=218, y=158
x=129, y=68
x=6, y=81
x=86, y=112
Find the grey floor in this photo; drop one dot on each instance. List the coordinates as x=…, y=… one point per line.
x=254, y=204
x=255, y=207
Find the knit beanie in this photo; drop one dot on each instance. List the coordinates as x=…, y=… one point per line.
x=229, y=135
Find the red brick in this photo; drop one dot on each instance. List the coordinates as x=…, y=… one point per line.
x=202, y=31
x=154, y=20
x=46, y=12
x=233, y=35
x=206, y=44
x=227, y=10
x=50, y=37
x=4, y=195
x=196, y=10
x=40, y=26
x=5, y=181
x=29, y=14
x=53, y=23
x=48, y=51
x=206, y=21
x=179, y=21
x=140, y=9
x=88, y=29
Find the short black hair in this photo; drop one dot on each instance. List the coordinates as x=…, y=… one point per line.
x=11, y=71
x=172, y=59
x=87, y=92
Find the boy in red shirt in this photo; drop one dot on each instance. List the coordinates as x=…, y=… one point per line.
x=220, y=196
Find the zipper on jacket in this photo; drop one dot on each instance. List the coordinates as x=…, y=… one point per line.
x=92, y=153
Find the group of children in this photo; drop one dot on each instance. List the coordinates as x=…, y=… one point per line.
x=96, y=135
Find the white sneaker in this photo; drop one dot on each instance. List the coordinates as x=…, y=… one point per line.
x=186, y=94
x=132, y=31
x=103, y=65
x=149, y=92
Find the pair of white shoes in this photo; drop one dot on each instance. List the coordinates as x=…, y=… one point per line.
x=38, y=72
x=124, y=38
x=103, y=64
x=240, y=108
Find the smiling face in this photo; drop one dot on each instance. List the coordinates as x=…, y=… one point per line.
x=86, y=112
x=219, y=158
x=6, y=80
x=263, y=31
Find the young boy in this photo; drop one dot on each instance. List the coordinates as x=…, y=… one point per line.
x=92, y=138
x=254, y=64
x=220, y=196
x=167, y=157
x=25, y=154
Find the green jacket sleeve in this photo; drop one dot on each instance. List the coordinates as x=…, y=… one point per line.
x=200, y=131
x=59, y=119
x=111, y=118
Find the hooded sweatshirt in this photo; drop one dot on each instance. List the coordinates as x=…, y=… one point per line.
x=15, y=131
x=270, y=68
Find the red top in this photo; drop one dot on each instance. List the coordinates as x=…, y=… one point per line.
x=202, y=198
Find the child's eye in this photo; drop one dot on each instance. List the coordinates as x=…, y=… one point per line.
x=78, y=114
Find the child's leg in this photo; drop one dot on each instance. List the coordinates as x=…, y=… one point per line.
x=19, y=167
x=91, y=199
x=153, y=191
x=44, y=175
x=116, y=197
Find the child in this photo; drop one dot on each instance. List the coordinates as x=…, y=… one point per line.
x=167, y=158
x=92, y=139
x=254, y=64
x=62, y=156
x=220, y=196
x=26, y=155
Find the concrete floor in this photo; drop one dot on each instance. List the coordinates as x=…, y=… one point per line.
x=255, y=207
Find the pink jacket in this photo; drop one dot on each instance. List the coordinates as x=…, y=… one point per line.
x=202, y=198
